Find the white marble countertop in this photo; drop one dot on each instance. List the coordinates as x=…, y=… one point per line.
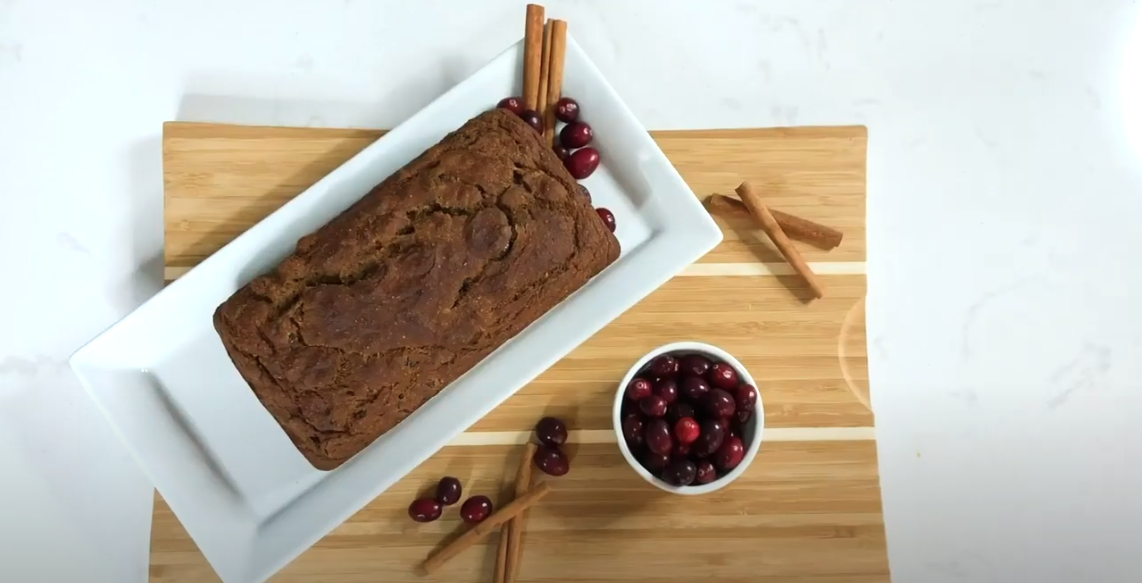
x=1004, y=230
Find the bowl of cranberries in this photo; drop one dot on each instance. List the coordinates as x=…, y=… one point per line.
x=688, y=418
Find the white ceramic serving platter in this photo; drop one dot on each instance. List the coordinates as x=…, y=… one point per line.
x=245, y=495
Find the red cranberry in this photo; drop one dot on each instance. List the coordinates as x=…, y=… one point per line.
x=576, y=135
x=475, y=509
x=448, y=491
x=664, y=366
x=745, y=397
x=638, y=388
x=551, y=461
x=678, y=410
x=705, y=472
x=633, y=430
x=513, y=104
x=657, y=436
x=680, y=472
x=582, y=162
x=711, y=434
x=607, y=217
x=695, y=389
x=425, y=510
x=729, y=454
x=722, y=375
x=695, y=365
x=535, y=121
x=551, y=431
x=668, y=389
x=561, y=152
x=653, y=406
x=719, y=403
x=654, y=461
x=681, y=450
x=743, y=415
x=567, y=110
x=686, y=430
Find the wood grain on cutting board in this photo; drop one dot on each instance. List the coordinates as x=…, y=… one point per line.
x=809, y=508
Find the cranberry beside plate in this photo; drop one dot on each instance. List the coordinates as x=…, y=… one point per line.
x=730, y=461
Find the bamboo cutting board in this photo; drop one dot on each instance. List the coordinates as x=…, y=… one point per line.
x=808, y=510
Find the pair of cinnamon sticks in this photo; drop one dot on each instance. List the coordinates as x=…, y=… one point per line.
x=508, y=555
x=545, y=44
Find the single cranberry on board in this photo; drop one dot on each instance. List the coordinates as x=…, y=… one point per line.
x=695, y=389
x=638, y=388
x=705, y=472
x=695, y=365
x=657, y=436
x=567, y=110
x=719, y=403
x=513, y=104
x=607, y=217
x=654, y=461
x=551, y=461
x=653, y=406
x=678, y=410
x=476, y=509
x=535, y=121
x=582, y=162
x=633, y=430
x=448, y=491
x=551, y=431
x=711, y=434
x=664, y=365
x=729, y=454
x=723, y=376
x=686, y=430
x=668, y=389
x=576, y=135
x=425, y=510
x=680, y=472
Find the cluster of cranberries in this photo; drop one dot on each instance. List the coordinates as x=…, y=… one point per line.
x=580, y=159
x=552, y=434
x=684, y=418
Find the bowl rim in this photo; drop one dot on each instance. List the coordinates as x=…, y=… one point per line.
x=751, y=449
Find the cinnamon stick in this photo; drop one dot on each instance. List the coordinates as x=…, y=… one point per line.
x=555, y=77
x=502, y=555
x=533, y=54
x=545, y=61
x=516, y=525
x=795, y=227
x=774, y=231
x=437, y=559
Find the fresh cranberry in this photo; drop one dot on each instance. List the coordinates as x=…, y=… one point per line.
x=743, y=415
x=633, y=430
x=582, y=162
x=567, y=110
x=576, y=135
x=654, y=461
x=664, y=366
x=729, y=454
x=745, y=397
x=653, y=406
x=551, y=461
x=638, y=388
x=561, y=152
x=425, y=510
x=705, y=472
x=681, y=450
x=711, y=434
x=678, y=410
x=476, y=509
x=551, y=431
x=607, y=217
x=535, y=121
x=695, y=365
x=680, y=472
x=722, y=375
x=513, y=104
x=657, y=436
x=448, y=491
x=668, y=389
x=686, y=430
x=695, y=389
x=719, y=403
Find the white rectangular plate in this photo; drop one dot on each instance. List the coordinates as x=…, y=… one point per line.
x=225, y=467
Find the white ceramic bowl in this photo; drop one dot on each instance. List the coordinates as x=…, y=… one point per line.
x=752, y=432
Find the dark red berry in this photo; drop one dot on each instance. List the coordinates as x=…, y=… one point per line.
x=638, y=388
x=678, y=410
x=657, y=436
x=551, y=431
x=582, y=162
x=686, y=430
x=711, y=434
x=561, y=152
x=448, y=491
x=729, y=454
x=576, y=135
x=745, y=397
x=664, y=366
x=704, y=472
x=743, y=415
x=567, y=110
x=475, y=509
x=587, y=193
x=654, y=461
x=723, y=376
x=653, y=406
x=551, y=461
x=680, y=472
x=633, y=430
x=668, y=389
x=607, y=217
x=425, y=510
x=719, y=403
x=695, y=365
x=513, y=104
x=681, y=450
x=535, y=121
x=695, y=389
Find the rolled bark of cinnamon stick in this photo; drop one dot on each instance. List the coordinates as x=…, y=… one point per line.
x=516, y=525
x=555, y=77
x=533, y=54
x=795, y=227
x=774, y=231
